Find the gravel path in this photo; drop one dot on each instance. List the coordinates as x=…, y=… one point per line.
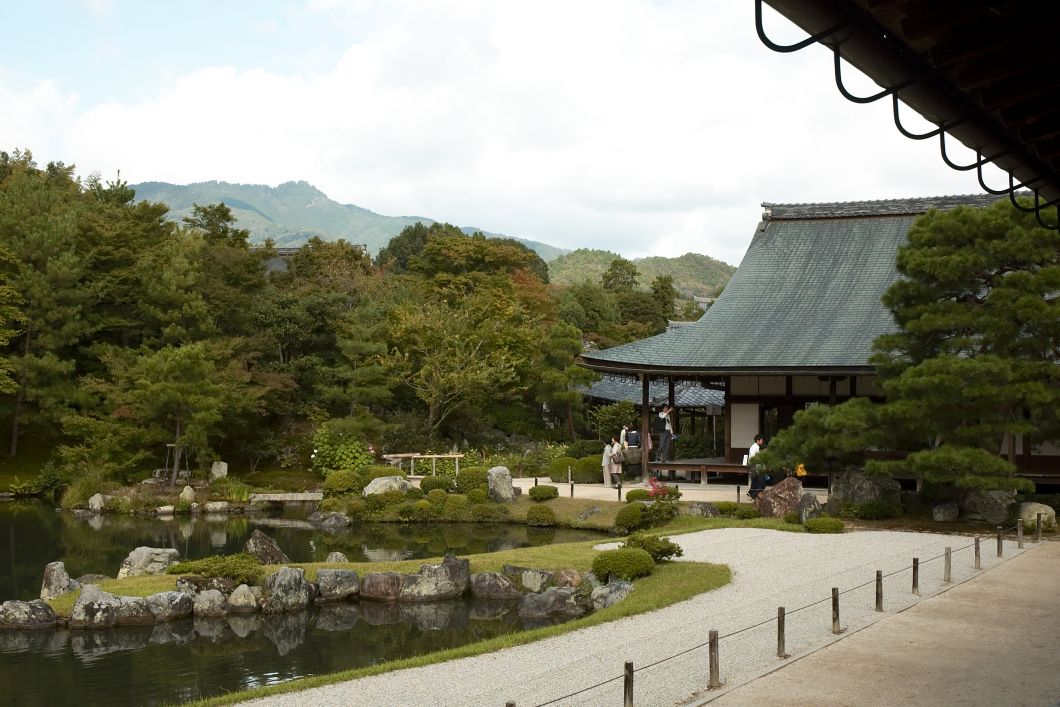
x=770, y=569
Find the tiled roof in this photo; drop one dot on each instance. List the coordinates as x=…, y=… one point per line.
x=687, y=394
x=805, y=297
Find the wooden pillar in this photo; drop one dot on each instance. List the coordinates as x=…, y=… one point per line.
x=645, y=382
x=728, y=420
x=675, y=418
x=832, y=381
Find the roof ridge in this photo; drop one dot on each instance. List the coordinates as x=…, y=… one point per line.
x=876, y=207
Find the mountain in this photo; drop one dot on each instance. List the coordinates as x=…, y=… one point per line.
x=294, y=212
x=693, y=274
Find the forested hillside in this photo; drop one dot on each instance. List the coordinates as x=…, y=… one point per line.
x=692, y=273
x=294, y=212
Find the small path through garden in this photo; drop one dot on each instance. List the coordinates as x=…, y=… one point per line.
x=770, y=569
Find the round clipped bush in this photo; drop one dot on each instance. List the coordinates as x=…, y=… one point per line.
x=726, y=508
x=630, y=518
x=791, y=518
x=746, y=512
x=824, y=525
x=356, y=508
x=472, y=477
x=660, y=549
x=542, y=516
x=477, y=495
x=557, y=468
x=490, y=512
x=624, y=563
x=424, y=510
x=431, y=483
x=637, y=495
x=342, y=482
x=437, y=496
x=587, y=470
x=543, y=493
x=406, y=510
x=414, y=494
x=456, y=507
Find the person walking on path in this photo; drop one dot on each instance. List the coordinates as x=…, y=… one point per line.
x=666, y=435
x=605, y=463
x=617, y=457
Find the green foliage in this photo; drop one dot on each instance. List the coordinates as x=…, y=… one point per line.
x=406, y=510
x=438, y=496
x=23, y=489
x=660, y=549
x=824, y=525
x=582, y=448
x=874, y=510
x=543, y=493
x=424, y=510
x=824, y=434
x=240, y=568
x=607, y=420
x=540, y=515
x=342, y=482
x=477, y=495
x=631, y=517
x=964, y=467
x=457, y=507
x=693, y=274
x=472, y=477
x=727, y=508
x=587, y=470
x=626, y=563
x=491, y=512
x=637, y=495
x=437, y=483
x=335, y=451
x=230, y=489
x=792, y=518
x=697, y=446
x=660, y=512
x=414, y=493
x=557, y=470
x=50, y=480
x=746, y=511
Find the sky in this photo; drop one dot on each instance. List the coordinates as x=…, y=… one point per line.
x=641, y=127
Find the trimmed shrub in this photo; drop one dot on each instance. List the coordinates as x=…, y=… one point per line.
x=631, y=517
x=624, y=563
x=472, y=477
x=583, y=448
x=356, y=508
x=637, y=495
x=661, y=512
x=489, y=512
x=746, y=512
x=557, y=470
x=333, y=503
x=241, y=568
x=414, y=494
x=540, y=515
x=456, y=507
x=405, y=510
x=727, y=508
x=437, y=496
x=477, y=495
x=543, y=493
x=792, y=518
x=378, y=471
x=660, y=549
x=390, y=498
x=876, y=510
x=587, y=469
x=424, y=510
x=434, y=483
x=824, y=525
x=342, y=483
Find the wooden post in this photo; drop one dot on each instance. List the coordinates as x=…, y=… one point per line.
x=645, y=431
x=570, y=479
x=1019, y=533
x=619, y=487
x=712, y=647
x=916, y=576
x=434, y=466
x=737, y=493
x=535, y=481
x=458, y=465
x=947, y=567
x=1038, y=528
x=978, y=562
x=781, y=652
x=572, y=489
x=1000, y=546
x=627, y=691
x=835, y=610
x=879, y=590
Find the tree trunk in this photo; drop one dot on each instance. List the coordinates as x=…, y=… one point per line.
x=570, y=423
x=176, y=455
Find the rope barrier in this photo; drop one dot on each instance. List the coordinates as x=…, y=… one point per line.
x=575, y=694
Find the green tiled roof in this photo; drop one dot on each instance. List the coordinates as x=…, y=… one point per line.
x=805, y=298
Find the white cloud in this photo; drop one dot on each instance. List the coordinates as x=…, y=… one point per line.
x=639, y=127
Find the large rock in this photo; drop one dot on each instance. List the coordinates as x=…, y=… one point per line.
x=134, y=611
x=605, y=595
x=95, y=502
x=286, y=590
x=381, y=586
x=29, y=615
x=703, y=509
x=56, y=581
x=147, y=561
x=218, y=470
x=1028, y=513
x=386, y=483
x=210, y=603
x=244, y=600
x=449, y=579
x=779, y=500
x=809, y=507
x=216, y=507
x=991, y=506
x=94, y=608
x=530, y=579
x=337, y=585
x=91, y=578
x=854, y=487
x=499, y=482
x=568, y=577
x=170, y=606
x=187, y=495
x=493, y=585
x=265, y=549
x=334, y=522
x=193, y=584
x=335, y=557
x=554, y=601
x=947, y=512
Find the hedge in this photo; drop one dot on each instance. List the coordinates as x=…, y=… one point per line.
x=430, y=483
x=241, y=568
x=624, y=563
x=437, y=496
x=543, y=493
x=587, y=470
x=557, y=469
x=824, y=525
x=540, y=515
x=637, y=495
x=630, y=518
x=660, y=549
x=472, y=477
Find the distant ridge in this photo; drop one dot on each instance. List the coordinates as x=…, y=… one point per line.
x=294, y=212
x=693, y=274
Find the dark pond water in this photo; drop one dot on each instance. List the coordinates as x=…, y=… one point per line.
x=187, y=660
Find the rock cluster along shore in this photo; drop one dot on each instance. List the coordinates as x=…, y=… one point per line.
x=541, y=594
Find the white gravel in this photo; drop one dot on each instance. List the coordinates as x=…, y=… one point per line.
x=770, y=569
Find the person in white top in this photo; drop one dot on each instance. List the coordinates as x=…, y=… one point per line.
x=666, y=436
x=756, y=477
x=756, y=447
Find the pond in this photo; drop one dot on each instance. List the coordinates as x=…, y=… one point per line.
x=197, y=658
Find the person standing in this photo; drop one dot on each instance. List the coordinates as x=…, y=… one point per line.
x=617, y=457
x=756, y=480
x=605, y=463
x=666, y=435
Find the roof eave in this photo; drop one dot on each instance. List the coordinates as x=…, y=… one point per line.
x=602, y=366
